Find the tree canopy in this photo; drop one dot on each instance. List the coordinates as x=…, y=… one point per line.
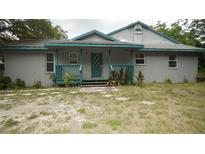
x=190, y=33
x=22, y=29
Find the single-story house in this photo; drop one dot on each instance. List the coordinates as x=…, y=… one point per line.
x=93, y=56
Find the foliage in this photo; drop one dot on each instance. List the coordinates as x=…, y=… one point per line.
x=21, y=29
x=32, y=116
x=201, y=75
x=81, y=111
x=197, y=27
x=10, y=122
x=69, y=79
x=167, y=80
x=114, y=123
x=177, y=32
x=5, y=82
x=127, y=77
x=140, y=79
x=121, y=77
x=87, y=125
x=20, y=83
x=37, y=84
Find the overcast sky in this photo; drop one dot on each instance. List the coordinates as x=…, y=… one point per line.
x=76, y=27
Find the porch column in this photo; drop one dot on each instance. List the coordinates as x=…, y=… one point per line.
x=57, y=57
x=133, y=64
x=109, y=62
x=58, y=69
x=81, y=65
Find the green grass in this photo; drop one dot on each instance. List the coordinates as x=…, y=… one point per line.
x=45, y=113
x=81, y=111
x=114, y=123
x=5, y=106
x=10, y=122
x=32, y=116
x=89, y=125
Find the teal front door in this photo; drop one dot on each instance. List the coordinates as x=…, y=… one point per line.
x=96, y=64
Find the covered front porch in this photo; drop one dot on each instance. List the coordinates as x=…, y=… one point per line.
x=92, y=63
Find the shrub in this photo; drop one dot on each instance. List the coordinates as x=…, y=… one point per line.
x=121, y=77
x=5, y=82
x=200, y=77
x=37, y=84
x=69, y=80
x=140, y=79
x=127, y=77
x=168, y=81
x=20, y=83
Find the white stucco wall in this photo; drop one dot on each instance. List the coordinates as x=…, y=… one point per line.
x=146, y=37
x=156, y=68
x=29, y=66
x=95, y=38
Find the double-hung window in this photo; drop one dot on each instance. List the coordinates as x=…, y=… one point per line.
x=49, y=62
x=140, y=60
x=172, y=62
x=73, y=58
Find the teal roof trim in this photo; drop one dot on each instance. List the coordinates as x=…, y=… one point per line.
x=23, y=48
x=172, y=50
x=94, y=32
x=137, y=46
x=147, y=27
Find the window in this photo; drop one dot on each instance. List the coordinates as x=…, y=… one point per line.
x=172, y=61
x=140, y=59
x=73, y=58
x=49, y=62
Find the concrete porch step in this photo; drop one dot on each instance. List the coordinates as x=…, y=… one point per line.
x=94, y=83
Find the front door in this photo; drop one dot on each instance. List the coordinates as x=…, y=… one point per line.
x=96, y=64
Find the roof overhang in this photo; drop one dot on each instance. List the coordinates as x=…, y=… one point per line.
x=23, y=48
x=136, y=46
x=172, y=50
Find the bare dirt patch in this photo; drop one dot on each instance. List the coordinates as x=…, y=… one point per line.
x=155, y=108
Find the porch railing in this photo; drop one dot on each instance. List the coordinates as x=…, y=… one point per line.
x=73, y=69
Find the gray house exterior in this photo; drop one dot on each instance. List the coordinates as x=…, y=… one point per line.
x=94, y=55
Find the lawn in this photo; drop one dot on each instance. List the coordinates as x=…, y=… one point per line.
x=155, y=108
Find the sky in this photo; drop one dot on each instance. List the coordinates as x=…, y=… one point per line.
x=76, y=27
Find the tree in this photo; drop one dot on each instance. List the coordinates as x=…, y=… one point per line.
x=197, y=27
x=178, y=31
x=22, y=29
